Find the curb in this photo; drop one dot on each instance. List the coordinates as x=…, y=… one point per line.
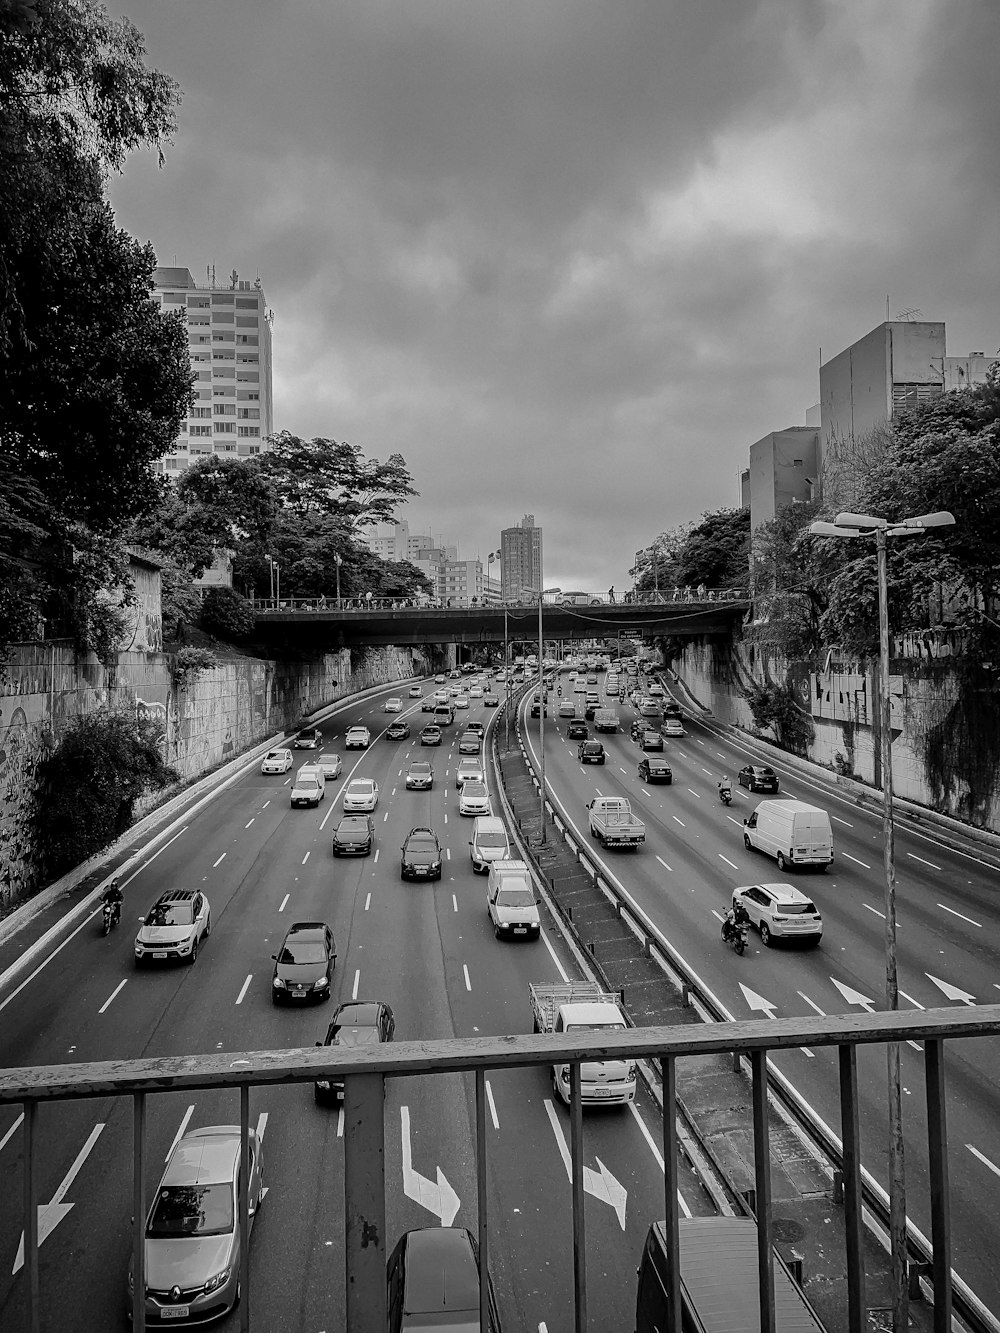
x=177, y=808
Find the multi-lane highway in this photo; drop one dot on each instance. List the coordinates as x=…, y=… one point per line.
x=427, y=949
x=947, y=945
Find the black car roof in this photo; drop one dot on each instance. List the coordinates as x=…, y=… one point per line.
x=177, y=896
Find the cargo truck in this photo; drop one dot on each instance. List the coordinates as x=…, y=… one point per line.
x=613, y=824
x=581, y=1006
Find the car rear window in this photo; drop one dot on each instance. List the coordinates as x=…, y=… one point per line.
x=192, y=1210
x=795, y=909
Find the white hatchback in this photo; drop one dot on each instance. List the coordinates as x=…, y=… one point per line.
x=469, y=770
x=276, y=761
x=394, y=705
x=474, y=799
x=357, y=738
x=361, y=794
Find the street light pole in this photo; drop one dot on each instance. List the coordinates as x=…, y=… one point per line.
x=339, y=562
x=541, y=719
x=858, y=525
x=506, y=682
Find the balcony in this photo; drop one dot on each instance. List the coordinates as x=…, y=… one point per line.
x=365, y=1249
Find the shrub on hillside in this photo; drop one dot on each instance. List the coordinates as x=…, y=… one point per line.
x=226, y=613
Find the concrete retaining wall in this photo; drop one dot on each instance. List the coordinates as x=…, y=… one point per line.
x=221, y=713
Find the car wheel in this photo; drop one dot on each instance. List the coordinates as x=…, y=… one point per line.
x=747, y=843
x=194, y=954
x=782, y=863
x=669, y=782
x=765, y=935
x=208, y=927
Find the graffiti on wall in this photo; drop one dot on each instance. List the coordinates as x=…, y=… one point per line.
x=844, y=696
x=21, y=749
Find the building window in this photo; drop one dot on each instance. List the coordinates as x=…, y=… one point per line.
x=198, y=302
x=224, y=427
x=248, y=395
x=224, y=409
x=246, y=303
x=195, y=320
x=254, y=449
x=248, y=376
x=249, y=413
x=247, y=339
x=252, y=432
x=222, y=317
x=200, y=430
x=223, y=298
x=225, y=392
x=200, y=412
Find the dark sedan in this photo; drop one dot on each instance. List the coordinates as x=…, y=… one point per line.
x=655, y=769
x=397, y=731
x=651, y=740
x=758, y=777
x=354, y=836
x=590, y=752
x=421, y=855
x=356, y=1023
x=577, y=730
x=304, y=964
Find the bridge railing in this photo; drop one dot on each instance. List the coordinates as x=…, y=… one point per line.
x=663, y=597
x=365, y=1075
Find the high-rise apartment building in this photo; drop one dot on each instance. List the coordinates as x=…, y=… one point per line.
x=521, y=561
x=229, y=341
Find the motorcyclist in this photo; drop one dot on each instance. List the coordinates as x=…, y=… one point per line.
x=736, y=916
x=112, y=899
x=725, y=789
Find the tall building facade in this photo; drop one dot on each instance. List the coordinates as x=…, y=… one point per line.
x=229, y=342
x=521, y=561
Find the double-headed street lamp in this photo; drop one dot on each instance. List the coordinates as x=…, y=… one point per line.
x=338, y=560
x=865, y=525
x=275, y=577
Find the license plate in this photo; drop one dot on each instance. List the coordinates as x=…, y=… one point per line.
x=298, y=993
x=175, y=1311
x=602, y=1092
x=520, y=930
x=159, y=953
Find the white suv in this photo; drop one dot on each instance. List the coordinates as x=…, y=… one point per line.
x=469, y=770
x=361, y=794
x=781, y=911
x=308, y=786
x=357, y=738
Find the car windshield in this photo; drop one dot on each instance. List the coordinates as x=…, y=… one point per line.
x=516, y=898
x=353, y=825
x=171, y=914
x=474, y=789
x=421, y=842
x=796, y=909
x=361, y=787
x=492, y=840
x=275, y=754
x=307, y=780
x=417, y=769
x=298, y=951
x=192, y=1210
x=595, y=1027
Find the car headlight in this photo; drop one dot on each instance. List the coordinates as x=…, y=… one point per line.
x=630, y=1072
x=564, y=1073
x=278, y=983
x=323, y=981
x=217, y=1279
x=323, y=1083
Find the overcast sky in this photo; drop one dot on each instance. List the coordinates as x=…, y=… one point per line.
x=572, y=257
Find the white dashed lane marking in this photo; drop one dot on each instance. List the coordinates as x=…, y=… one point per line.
x=244, y=988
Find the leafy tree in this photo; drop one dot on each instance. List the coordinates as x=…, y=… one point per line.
x=226, y=613
x=336, y=479
x=88, y=785
x=790, y=584
x=658, y=565
x=944, y=455
x=774, y=707
x=716, y=551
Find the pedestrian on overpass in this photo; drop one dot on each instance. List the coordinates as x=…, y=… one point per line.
x=611, y=594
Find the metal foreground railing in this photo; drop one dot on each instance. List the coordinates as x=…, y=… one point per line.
x=364, y=1134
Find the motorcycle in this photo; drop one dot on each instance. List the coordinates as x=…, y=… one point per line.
x=735, y=933
x=112, y=915
x=726, y=795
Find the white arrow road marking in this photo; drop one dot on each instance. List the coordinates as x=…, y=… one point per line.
x=854, y=997
x=755, y=1001
x=439, y=1199
x=52, y=1213
x=180, y=1130
x=10, y=1133
x=601, y=1183
x=951, y=992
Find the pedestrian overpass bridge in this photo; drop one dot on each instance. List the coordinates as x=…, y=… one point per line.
x=304, y=626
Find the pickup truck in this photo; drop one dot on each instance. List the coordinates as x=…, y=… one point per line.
x=613, y=824
x=577, y=1006
x=605, y=719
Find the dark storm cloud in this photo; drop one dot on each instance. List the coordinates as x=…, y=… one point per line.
x=572, y=257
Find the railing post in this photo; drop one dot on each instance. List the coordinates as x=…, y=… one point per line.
x=244, y=1206
x=668, y=1071
x=139, y=1212
x=31, y=1219
x=481, y=1182
x=579, y=1227
x=364, y=1202
x=762, y=1181
x=937, y=1153
x=851, y=1180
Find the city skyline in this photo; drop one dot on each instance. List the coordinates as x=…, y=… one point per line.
x=569, y=259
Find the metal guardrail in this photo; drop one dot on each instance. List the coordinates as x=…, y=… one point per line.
x=670, y=597
x=696, y=991
x=364, y=1078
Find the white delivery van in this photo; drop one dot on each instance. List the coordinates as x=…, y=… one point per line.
x=794, y=833
x=488, y=842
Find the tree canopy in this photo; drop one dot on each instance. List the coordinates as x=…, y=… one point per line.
x=327, y=477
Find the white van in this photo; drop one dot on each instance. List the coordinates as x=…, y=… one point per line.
x=308, y=786
x=794, y=833
x=488, y=843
